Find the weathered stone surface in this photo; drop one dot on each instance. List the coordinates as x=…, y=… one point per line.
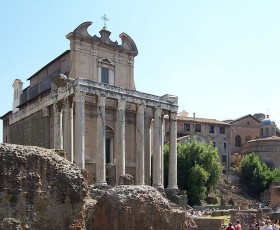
x=126, y=179
x=39, y=189
x=11, y=224
x=138, y=207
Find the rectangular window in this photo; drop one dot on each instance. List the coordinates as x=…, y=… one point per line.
x=198, y=127
x=187, y=127
x=225, y=145
x=224, y=158
x=222, y=130
x=211, y=129
x=105, y=75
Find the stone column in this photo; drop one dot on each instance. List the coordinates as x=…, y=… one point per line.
x=79, y=156
x=57, y=126
x=69, y=129
x=120, y=139
x=140, y=144
x=162, y=146
x=172, y=171
x=100, y=142
x=147, y=147
x=157, y=148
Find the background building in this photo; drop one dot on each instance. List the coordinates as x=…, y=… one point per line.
x=205, y=130
x=242, y=130
x=267, y=146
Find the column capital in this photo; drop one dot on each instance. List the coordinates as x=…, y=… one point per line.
x=141, y=108
x=80, y=96
x=101, y=101
x=57, y=106
x=173, y=116
x=69, y=102
x=121, y=104
x=157, y=112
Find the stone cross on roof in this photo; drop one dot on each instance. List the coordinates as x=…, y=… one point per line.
x=105, y=18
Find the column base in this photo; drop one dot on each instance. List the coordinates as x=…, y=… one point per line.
x=172, y=191
x=140, y=183
x=158, y=186
x=160, y=189
x=101, y=183
x=178, y=197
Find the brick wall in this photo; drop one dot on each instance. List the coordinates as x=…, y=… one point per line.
x=33, y=130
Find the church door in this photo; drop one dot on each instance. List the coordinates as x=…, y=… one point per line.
x=108, y=147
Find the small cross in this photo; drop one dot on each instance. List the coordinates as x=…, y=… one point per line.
x=105, y=20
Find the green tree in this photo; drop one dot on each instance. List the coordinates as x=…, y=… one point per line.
x=198, y=167
x=255, y=174
x=276, y=175
x=197, y=179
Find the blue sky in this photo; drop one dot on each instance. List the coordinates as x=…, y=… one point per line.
x=220, y=57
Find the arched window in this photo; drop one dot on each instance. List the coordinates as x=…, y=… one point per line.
x=237, y=141
x=261, y=132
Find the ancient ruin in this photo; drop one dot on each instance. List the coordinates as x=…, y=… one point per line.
x=39, y=189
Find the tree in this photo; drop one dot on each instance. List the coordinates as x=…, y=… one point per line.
x=196, y=182
x=198, y=167
x=255, y=174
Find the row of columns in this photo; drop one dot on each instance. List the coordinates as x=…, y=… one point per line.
x=75, y=142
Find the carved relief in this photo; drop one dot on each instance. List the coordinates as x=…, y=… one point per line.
x=46, y=112
x=93, y=52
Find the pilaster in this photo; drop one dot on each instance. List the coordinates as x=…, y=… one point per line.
x=57, y=127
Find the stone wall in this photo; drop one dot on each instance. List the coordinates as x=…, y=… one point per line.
x=39, y=189
x=204, y=223
x=274, y=190
x=32, y=130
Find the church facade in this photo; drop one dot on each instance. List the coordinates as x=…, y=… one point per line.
x=85, y=101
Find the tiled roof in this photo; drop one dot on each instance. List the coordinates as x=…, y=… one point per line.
x=240, y=118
